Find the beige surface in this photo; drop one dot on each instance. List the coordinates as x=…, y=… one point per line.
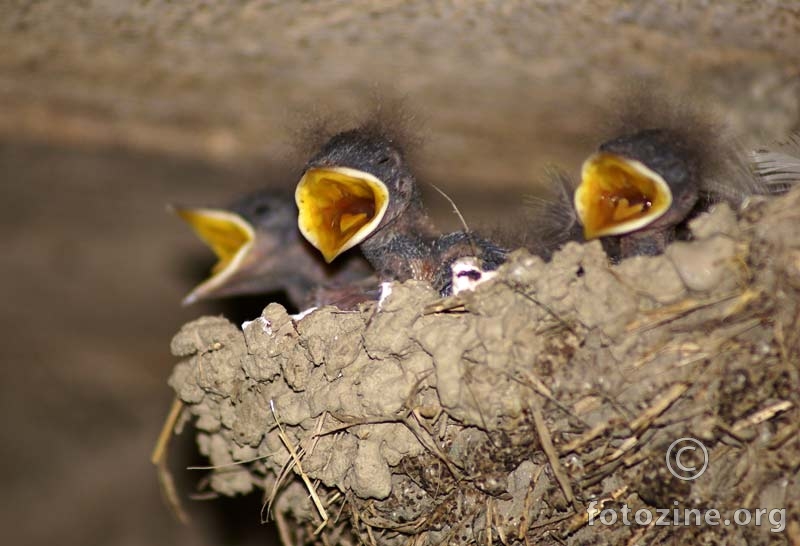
x=504, y=87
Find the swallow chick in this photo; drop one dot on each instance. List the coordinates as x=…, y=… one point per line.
x=638, y=187
x=259, y=251
x=668, y=163
x=639, y=191
x=358, y=190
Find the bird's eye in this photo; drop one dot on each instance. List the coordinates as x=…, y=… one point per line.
x=405, y=185
x=390, y=156
x=262, y=209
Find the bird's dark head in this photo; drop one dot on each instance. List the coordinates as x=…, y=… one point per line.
x=256, y=244
x=354, y=186
x=645, y=180
x=267, y=210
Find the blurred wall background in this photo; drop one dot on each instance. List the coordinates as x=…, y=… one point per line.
x=111, y=109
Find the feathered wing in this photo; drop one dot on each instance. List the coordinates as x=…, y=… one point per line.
x=779, y=168
x=734, y=178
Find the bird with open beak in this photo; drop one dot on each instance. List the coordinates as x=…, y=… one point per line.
x=638, y=187
x=260, y=251
x=668, y=164
x=358, y=190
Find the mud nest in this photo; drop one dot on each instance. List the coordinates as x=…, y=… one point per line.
x=515, y=413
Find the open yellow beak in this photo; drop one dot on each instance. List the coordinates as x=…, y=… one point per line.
x=339, y=207
x=227, y=234
x=619, y=195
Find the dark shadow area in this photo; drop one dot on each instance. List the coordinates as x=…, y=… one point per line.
x=93, y=274
x=230, y=520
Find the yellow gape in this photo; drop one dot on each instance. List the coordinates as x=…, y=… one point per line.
x=339, y=207
x=619, y=195
x=227, y=234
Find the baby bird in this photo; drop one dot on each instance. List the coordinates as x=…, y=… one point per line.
x=639, y=191
x=358, y=190
x=260, y=251
x=639, y=187
x=668, y=164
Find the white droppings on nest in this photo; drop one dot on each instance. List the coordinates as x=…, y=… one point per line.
x=266, y=326
x=302, y=314
x=386, y=291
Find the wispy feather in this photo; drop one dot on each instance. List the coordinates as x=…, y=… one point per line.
x=779, y=168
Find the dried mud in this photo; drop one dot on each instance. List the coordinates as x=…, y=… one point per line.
x=497, y=416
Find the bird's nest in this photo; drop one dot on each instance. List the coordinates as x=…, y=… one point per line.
x=515, y=413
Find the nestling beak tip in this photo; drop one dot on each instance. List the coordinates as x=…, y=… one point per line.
x=329, y=256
